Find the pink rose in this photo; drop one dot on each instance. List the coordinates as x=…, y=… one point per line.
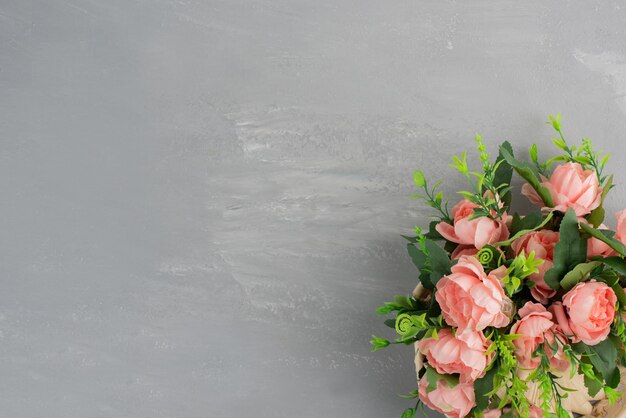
x=591, y=310
x=475, y=232
x=542, y=242
x=472, y=300
x=536, y=327
x=620, y=228
x=596, y=248
x=463, y=353
x=454, y=402
x=570, y=187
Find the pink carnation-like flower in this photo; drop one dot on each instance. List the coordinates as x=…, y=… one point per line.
x=590, y=312
x=535, y=327
x=542, y=242
x=570, y=187
x=463, y=353
x=472, y=300
x=454, y=402
x=472, y=232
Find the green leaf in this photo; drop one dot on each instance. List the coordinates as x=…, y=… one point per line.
x=596, y=217
x=438, y=260
x=432, y=377
x=570, y=251
x=419, y=179
x=412, y=240
x=602, y=235
x=556, y=124
x=408, y=413
x=578, y=274
x=616, y=263
x=534, y=153
x=530, y=221
x=432, y=231
x=612, y=395
x=603, y=357
x=504, y=173
x=378, y=343
x=593, y=386
x=483, y=387
x=403, y=301
x=419, y=259
x=524, y=232
x=529, y=174
x=619, y=265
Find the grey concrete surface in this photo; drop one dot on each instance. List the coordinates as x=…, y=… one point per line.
x=202, y=199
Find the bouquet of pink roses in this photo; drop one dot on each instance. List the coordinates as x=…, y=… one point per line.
x=517, y=315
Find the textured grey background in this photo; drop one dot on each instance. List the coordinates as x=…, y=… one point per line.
x=202, y=200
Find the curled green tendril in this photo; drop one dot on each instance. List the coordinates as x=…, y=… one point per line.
x=485, y=256
x=404, y=323
x=489, y=256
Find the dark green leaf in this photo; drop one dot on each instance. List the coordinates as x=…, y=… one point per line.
x=603, y=357
x=439, y=262
x=604, y=236
x=570, y=251
x=432, y=232
x=578, y=274
x=529, y=174
x=524, y=232
x=412, y=240
x=597, y=215
x=593, y=386
x=503, y=174
x=432, y=377
x=530, y=221
x=616, y=263
x=482, y=388
x=419, y=259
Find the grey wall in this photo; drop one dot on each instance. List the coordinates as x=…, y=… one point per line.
x=202, y=200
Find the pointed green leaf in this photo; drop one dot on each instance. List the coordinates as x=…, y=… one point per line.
x=604, y=236
x=570, y=251
x=529, y=174
x=578, y=274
